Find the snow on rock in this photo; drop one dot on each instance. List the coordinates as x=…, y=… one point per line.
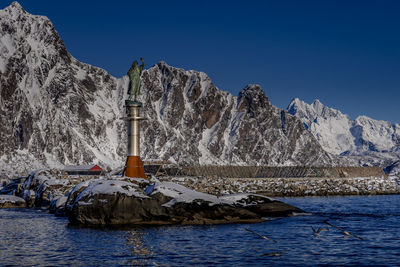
x=44, y=178
x=43, y=188
x=10, y=198
x=240, y=198
x=112, y=202
x=57, y=205
x=393, y=170
x=107, y=187
x=180, y=193
x=9, y=201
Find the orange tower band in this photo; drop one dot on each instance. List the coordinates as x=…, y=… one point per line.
x=134, y=167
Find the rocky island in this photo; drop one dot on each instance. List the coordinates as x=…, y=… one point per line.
x=118, y=200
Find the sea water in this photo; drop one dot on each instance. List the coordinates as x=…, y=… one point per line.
x=34, y=237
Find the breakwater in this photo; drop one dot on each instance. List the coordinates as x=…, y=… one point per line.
x=280, y=181
x=265, y=171
x=281, y=187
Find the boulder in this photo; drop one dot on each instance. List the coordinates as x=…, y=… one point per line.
x=43, y=186
x=57, y=205
x=48, y=189
x=121, y=201
x=11, y=187
x=10, y=201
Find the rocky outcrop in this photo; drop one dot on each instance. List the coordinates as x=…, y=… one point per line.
x=393, y=170
x=11, y=187
x=48, y=189
x=116, y=202
x=10, y=201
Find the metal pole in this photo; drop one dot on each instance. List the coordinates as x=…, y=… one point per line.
x=133, y=131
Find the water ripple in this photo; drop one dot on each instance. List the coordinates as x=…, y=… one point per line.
x=32, y=237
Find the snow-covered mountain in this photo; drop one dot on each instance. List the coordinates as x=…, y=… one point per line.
x=367, y=140
x=55, y=110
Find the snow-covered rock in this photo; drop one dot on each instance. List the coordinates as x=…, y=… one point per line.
x=393, y=170
x=364, y=141
x=109, y=202
x=179, y=193
x=55, y=111
x=107, y=187
x=9, y=201
x=48, y=188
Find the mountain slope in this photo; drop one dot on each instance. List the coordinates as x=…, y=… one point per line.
x=365, y=139
x=56, y=110
x=53, y=108
x=193, y=122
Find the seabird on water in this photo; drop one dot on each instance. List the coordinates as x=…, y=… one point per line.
x=273, y=254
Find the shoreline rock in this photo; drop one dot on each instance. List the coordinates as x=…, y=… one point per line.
x=10, y=201
x=109, y=202
x=116, y=200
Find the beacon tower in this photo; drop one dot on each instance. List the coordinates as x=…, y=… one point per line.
x=134, y=165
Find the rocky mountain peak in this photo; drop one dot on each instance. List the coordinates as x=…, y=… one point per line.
x=313, y=111
x=369, y=141
x=252, y=98
x=295, y=105
x=15, y=9
x=29, y=38
x=317, y=104
x=252, y=89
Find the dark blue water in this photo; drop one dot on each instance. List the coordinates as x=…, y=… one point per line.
x=32, y=237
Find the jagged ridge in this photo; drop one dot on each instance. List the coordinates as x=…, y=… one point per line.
x=368, y=140
x=56, y=110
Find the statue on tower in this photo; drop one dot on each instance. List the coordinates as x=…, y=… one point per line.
x=134, y=74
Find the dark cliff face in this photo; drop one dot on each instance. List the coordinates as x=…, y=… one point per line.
x=56, y=110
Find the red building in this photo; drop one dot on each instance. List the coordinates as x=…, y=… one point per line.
x=84, y=170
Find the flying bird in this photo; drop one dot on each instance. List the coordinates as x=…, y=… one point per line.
x=319, y=230
x=261, y=236
x=342, y=230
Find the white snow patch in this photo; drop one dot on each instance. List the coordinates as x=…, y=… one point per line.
x=10, y=199
x=238, y=197
x=107, y=187
x=180, y=193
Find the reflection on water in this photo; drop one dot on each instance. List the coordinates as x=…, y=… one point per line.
x=32, y=237
x=141, y=252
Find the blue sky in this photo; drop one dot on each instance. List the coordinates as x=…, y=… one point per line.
x=345, y=53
